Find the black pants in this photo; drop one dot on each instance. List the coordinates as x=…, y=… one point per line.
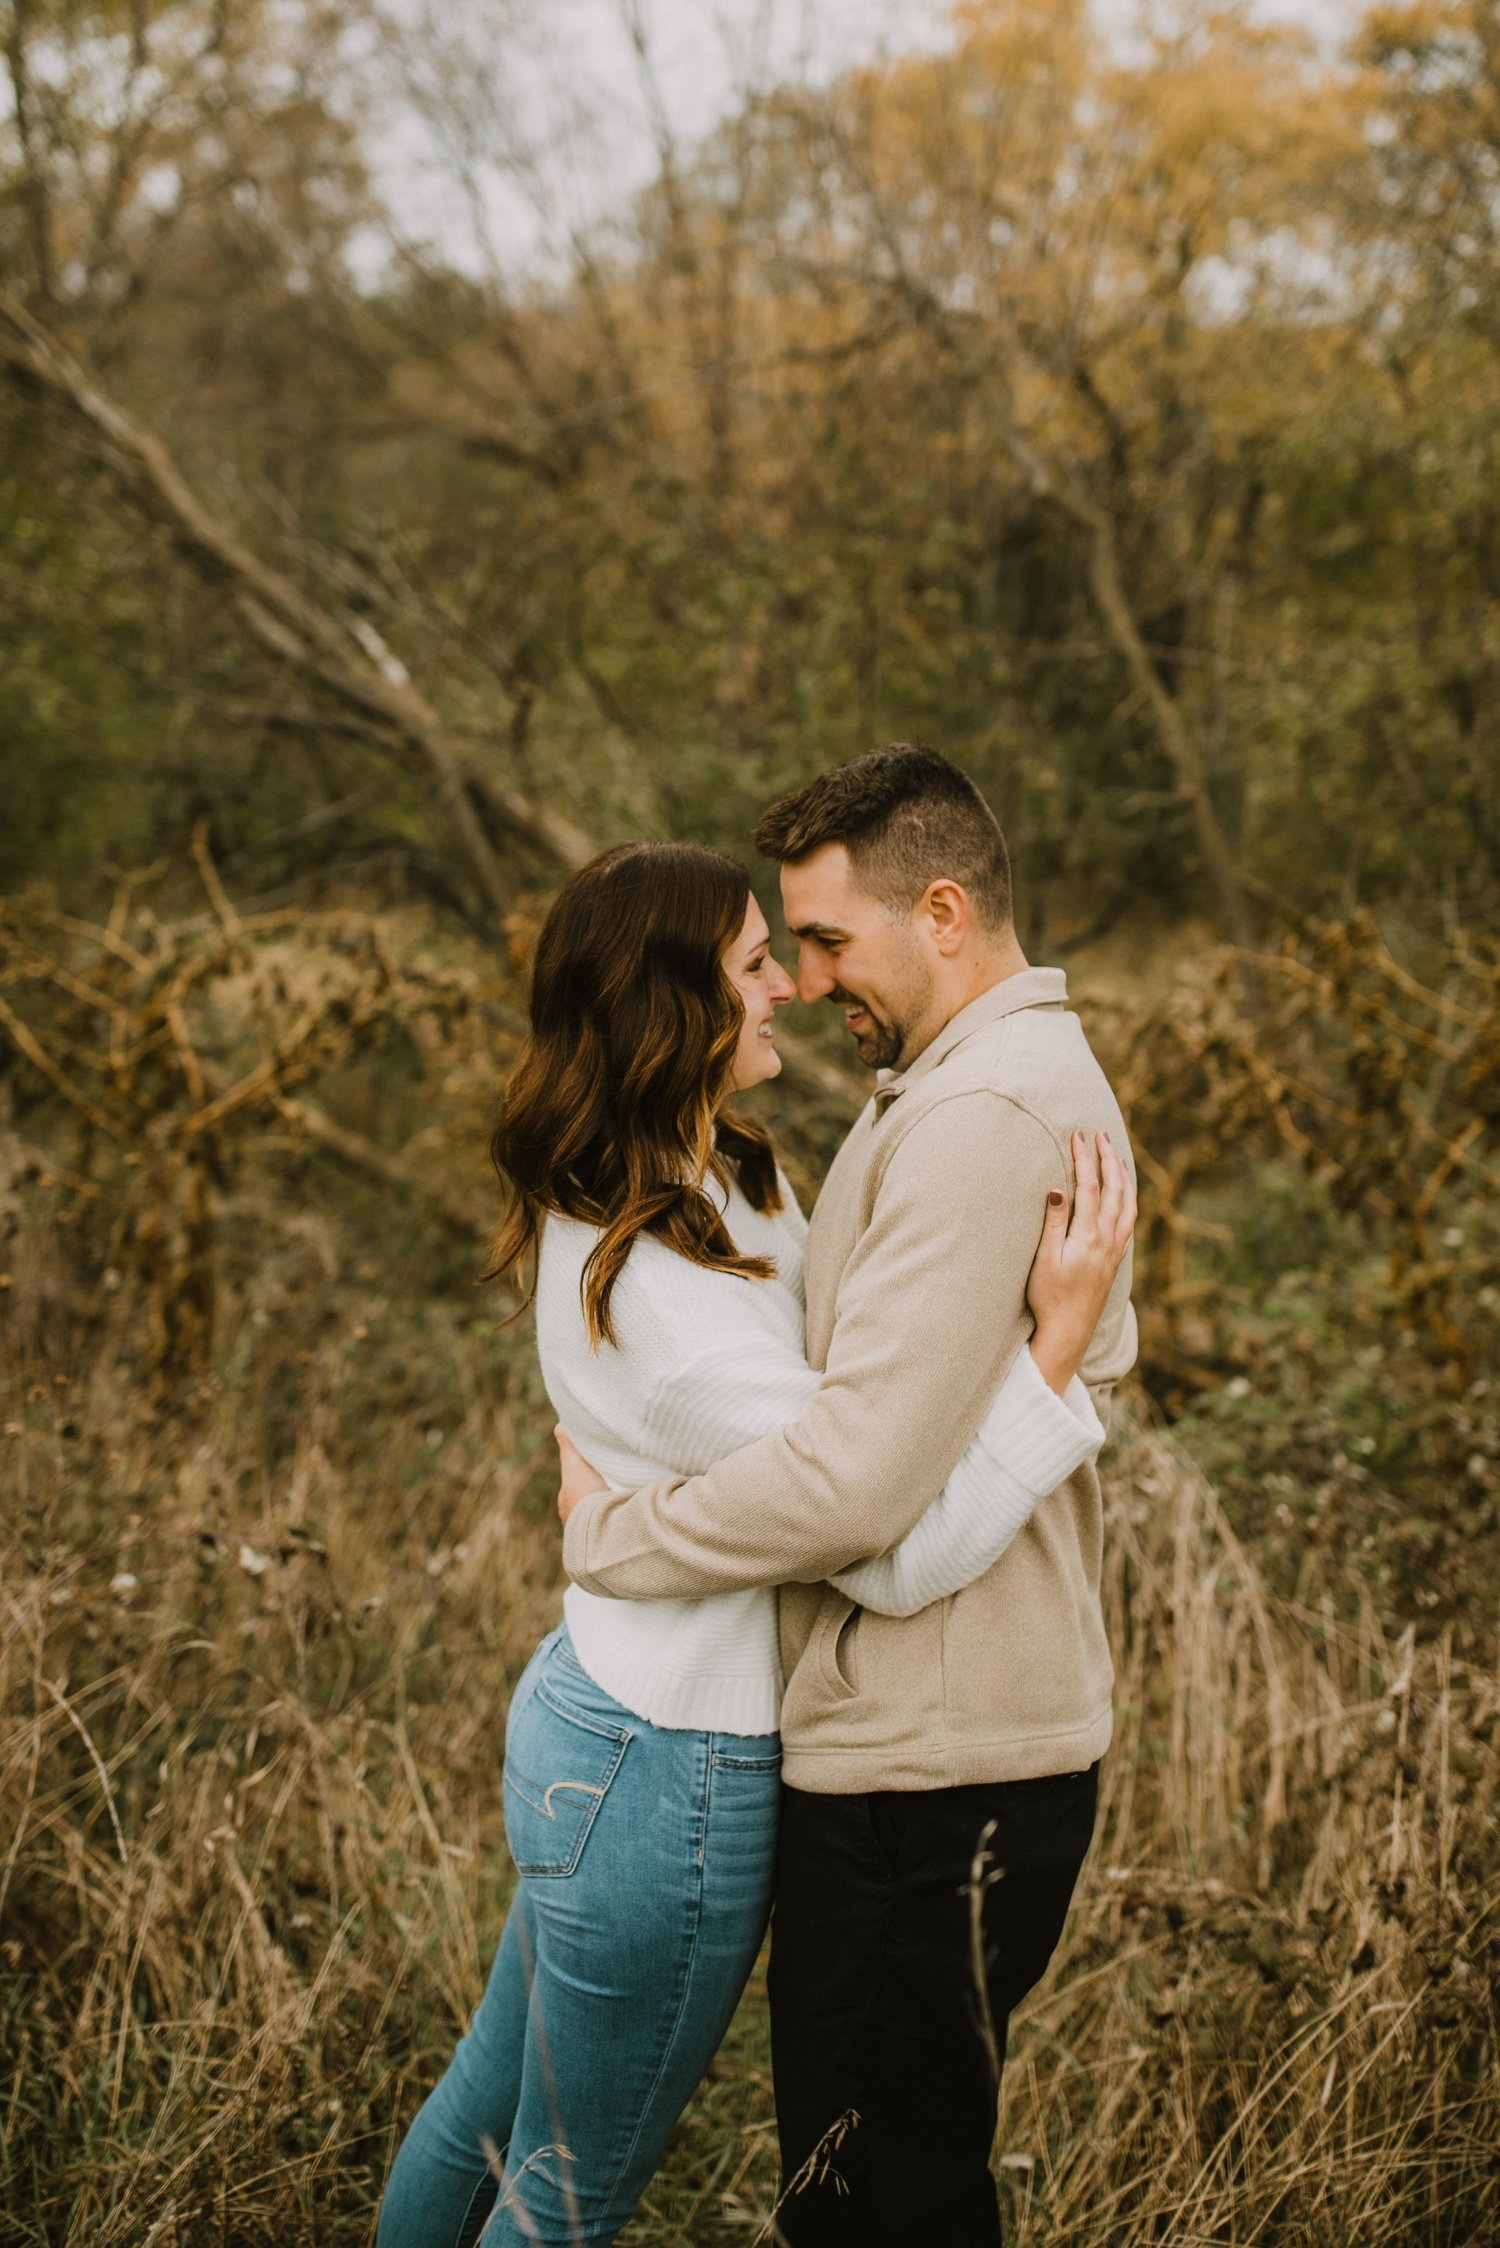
x=876, y=2005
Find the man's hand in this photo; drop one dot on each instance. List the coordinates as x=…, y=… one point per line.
x=579, y=1480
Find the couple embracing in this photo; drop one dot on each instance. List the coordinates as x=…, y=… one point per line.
x=832, y=1638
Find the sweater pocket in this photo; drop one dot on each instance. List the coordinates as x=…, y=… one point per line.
x=558, y=1768
x=833, y=1645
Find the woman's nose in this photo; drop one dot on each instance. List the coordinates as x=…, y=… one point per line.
x=782, y=986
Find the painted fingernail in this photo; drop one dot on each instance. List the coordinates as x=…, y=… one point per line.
x=1055, y=1199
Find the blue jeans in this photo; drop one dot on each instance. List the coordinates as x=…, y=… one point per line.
x=645, y=1860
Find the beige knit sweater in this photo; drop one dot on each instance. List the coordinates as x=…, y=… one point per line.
x=916, y=1265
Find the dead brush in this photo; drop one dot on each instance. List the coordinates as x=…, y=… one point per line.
x=151, y=1058
x=253, y=1856
x=1382, y=1085
x=1275, y=2015
x=250, y=1890
x=260, y=1616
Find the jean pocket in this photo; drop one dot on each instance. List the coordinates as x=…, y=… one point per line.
x=558, y=1769
x=740, y=1760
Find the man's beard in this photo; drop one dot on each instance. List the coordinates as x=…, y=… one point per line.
x=879, y=1047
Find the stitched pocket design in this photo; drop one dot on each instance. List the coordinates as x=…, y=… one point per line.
x=558, y=1768
x=836, y=1634
x=729, y=1762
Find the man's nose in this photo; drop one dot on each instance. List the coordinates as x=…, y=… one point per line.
x=813, y=980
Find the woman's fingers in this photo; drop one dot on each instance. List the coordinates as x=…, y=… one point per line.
x=1113, y=1190
x=1104, y=1207
x=1086, y=1189
x=1123, y=1210
x=1125, y=1226
x=1117, y=1202
x=1110, y=1168
x=1054, y=1226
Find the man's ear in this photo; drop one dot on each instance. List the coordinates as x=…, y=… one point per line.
x=946, y=905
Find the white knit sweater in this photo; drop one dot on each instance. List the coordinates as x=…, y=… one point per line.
x=706, y=1362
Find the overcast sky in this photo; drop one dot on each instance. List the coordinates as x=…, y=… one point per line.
x=558, y=80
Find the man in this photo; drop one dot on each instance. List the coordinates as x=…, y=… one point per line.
x=933, y=1759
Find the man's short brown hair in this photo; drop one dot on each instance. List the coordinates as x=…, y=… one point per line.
x=907, y=817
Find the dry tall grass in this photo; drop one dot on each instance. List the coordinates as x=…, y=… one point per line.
x=253, y=1857
x=266, y=1580
x=1274, y=2016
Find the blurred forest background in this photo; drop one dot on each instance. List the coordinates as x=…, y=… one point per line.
x=1116, y=406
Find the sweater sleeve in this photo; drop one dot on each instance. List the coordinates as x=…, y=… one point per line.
x=1029, y=1442
x=911, y=1374
x=703, y=1365
x=719, y=1396
x=751, y=1382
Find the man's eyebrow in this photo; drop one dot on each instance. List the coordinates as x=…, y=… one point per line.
x=815, y=929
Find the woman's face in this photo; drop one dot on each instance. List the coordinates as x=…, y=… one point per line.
x=763, y=986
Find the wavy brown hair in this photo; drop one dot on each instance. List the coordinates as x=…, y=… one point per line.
x=613, y=1113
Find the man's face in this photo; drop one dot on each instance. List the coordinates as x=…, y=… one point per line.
x=857, y=953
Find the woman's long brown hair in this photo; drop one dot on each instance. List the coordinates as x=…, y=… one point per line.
x=613, y=1111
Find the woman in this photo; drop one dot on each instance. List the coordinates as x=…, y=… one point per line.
x=641, y=1754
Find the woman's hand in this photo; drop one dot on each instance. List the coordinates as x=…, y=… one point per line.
x=1076, y=1263
x=579, y=1480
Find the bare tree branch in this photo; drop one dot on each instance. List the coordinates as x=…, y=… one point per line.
x=1050, y=482
x=360, y=1154
x=34, y=189
x=345, y=656
x=1060, y=484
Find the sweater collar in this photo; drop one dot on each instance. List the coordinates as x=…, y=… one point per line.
x=1029, y=987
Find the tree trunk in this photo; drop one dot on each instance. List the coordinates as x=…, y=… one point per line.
x=1119, y=620
x=344, y=655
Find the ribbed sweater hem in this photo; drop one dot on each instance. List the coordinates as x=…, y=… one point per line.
x=907, y=1767
x=746, y=1702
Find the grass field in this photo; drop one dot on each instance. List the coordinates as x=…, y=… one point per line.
x=254, y=1863
x=278, y=1539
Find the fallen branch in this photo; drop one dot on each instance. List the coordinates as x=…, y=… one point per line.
x=343, y=655
x=359, y=1154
